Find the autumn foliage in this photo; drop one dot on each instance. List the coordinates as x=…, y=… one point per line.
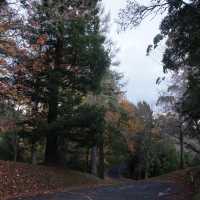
x=18, y=179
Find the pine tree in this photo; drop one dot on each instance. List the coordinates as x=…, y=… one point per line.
x=63, y=53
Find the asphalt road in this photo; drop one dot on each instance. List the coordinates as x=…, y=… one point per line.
x=128, y=191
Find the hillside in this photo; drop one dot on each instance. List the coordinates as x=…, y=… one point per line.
x=188, y=178
x=18, y=180
x=24, y=179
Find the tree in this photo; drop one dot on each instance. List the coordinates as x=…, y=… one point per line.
x=171, y=126
x=81, y=37
x=63, y=54
x=180, y=28
x=150, y=150
x=146, y=115
x=106, y=98
x=139, y=133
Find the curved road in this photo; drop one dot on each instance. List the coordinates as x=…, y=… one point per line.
x=150, y=190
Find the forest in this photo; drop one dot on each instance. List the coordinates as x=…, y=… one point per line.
x=63, y=104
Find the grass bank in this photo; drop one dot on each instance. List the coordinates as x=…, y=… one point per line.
x=19, y=179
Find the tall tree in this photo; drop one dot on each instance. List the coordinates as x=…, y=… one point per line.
x=180, y=27
x=63, y=52
x=146, y=115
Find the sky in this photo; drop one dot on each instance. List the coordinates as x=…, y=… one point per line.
x=140, y=71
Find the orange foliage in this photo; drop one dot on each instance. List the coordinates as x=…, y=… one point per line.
x=41, y=40
x=112, y=117
x=6, y=125
x=127, y=106
x=4, y=26
x=2, y=62
x=133, y=125
x=10, y=48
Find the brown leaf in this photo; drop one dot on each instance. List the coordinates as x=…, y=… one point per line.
x=41, y=40
x=2, y=62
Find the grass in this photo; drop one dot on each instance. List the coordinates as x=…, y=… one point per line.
x=196, y=196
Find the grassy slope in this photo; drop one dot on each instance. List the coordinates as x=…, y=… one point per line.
x=179, y=176
x=187, y=179
x=18, y=179
x=197, y=197
x=23, y=179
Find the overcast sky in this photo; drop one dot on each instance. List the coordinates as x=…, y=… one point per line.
x=140, y=71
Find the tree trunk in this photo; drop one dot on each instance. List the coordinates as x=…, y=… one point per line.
x=33, y=154
x=15, y=142
x=146, y=170
x=94, y=160
x=87, y=160
x=101, y=158
x=147, y=151
x=181, y=150
x=51, y=155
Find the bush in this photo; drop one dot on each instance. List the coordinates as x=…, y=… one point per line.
x=6, y=147
x=162, y=158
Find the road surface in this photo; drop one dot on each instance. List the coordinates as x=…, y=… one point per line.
x=150, y=190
